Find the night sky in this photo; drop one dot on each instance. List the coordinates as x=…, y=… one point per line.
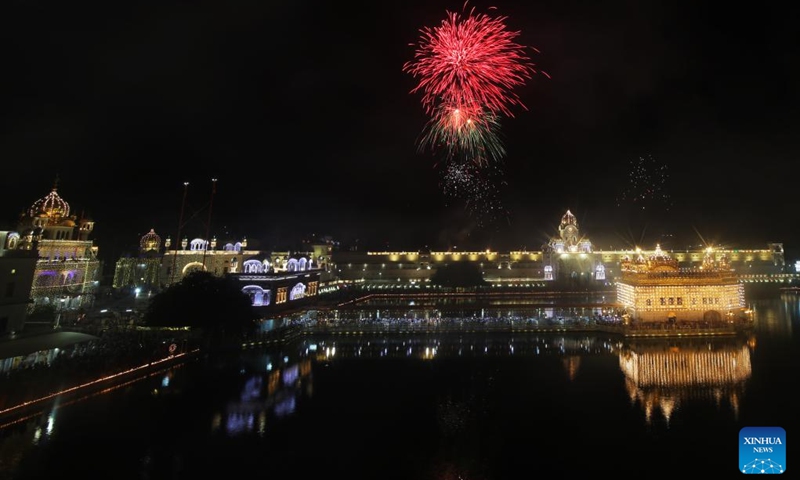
x=303, y=113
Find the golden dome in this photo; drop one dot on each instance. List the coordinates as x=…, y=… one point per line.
x=569, y=219
x=67, y=223
x=51, y=205
x=150, y=241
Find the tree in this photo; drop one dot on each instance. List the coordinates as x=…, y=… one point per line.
x=215, y=305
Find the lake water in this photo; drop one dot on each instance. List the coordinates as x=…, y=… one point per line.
x=427, y=406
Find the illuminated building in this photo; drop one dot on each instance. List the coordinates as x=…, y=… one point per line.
x=568, y=258
x=232, y=257
x=67, y=270
x=652, y=288
x=268, y=278
x=17, y=268
x=568, y=255
x=201, y=254
x=141, y=272
x=660, y=377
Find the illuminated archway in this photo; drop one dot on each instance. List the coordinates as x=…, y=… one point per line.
x=712, y=316
x=259, y=297
x=193, y=267
x=298, y=292
x=198, y=244
x=292, y=265
x=252, y=266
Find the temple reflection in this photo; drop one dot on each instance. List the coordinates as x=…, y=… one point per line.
x=662, y=375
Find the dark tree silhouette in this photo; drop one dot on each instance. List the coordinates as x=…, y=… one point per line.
x=214, y=305
x=459, y=274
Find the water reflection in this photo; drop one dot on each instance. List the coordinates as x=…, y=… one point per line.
x=776, y=319
x=266, y=392
x=428, y=404
x=428, y=347
x=661, y=376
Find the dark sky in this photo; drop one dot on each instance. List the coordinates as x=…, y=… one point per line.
x=303, y=113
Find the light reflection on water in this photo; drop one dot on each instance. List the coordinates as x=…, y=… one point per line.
x=661, y=376
x=477, y=389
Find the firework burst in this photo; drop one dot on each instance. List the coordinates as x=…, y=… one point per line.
x=467, y=69
x=470, y=60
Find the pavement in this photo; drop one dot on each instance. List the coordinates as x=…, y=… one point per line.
x=38, y=340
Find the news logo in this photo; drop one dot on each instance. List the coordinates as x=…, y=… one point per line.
x=762, y=450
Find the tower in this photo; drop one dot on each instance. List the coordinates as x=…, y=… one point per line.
x=67, y=272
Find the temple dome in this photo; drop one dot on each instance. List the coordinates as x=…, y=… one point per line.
x=150, y=241
x=569, y=219
x=51, y=206
x=659, y=255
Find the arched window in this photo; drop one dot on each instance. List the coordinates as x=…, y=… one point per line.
x=600, y=272
x=12, y=240
x=258, y=296
x=252, y=266
x=198, y=244
x=298, y=292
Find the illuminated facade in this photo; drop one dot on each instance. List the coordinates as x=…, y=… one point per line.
x=17, y=268
x=274, y=289
x=652, y=288
x=141, y=272
x=568, y=258
x=234, y=258
x=67, y=271
x=269, y=278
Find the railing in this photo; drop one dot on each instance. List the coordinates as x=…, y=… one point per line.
x=654, y=330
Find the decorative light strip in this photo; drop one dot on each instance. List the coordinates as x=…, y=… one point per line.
x=94, y=382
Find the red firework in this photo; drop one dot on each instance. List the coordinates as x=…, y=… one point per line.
x=470, y=60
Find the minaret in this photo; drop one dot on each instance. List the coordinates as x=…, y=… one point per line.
x=85, y=226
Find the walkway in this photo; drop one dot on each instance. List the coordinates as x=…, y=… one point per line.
x=23, y=345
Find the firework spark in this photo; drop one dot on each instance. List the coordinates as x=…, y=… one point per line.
x=470, y=60
x=463, y=130
x=647, y=185
x=479, y=188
